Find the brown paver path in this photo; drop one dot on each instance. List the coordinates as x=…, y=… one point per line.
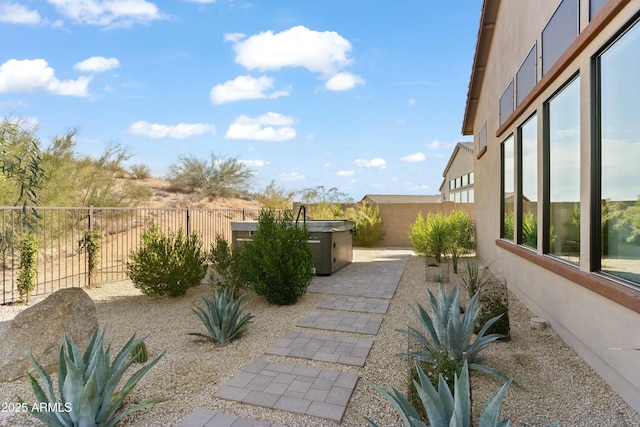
x=323, y=347
x=205, y=418
x=300, y=389
x=347, y=303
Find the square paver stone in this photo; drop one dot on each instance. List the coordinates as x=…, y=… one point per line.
x=206, y=418
x=357, y=304
x=319, y=392
x=342, y=321
x=323, y=347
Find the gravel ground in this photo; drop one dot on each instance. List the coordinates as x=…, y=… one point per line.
x=555, y=384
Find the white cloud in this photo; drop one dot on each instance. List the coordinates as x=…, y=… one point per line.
x=233, y=37
x=35, y=75
x=179, y=131
x=112, y=13
x=245, y=87
x=201, y=1
x=414, y=158
x=292, y=176
x=346, y=173
x=12, y=13
x=255, y=163
x=97, y=64
x=319, y=52
x=434, y=145
x=411, y=102
x=373, y=163
x=268, y=127
x=310, y=137
x=343, y=81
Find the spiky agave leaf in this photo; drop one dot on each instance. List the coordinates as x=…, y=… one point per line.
x=87, y=384
x=223, y=317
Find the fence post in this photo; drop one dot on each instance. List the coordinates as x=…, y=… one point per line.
x=188, y=223
x=243, y=218
x=90, y=218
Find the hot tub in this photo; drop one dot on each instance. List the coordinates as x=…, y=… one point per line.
x=331, y=241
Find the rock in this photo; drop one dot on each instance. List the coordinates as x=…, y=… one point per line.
x=538, y=323
x=40, y=330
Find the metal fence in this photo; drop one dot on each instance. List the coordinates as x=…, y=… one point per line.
x=62, y=261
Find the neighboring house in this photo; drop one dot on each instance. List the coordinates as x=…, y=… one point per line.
x=458, y=177
x=399, y=212
x=553, y=110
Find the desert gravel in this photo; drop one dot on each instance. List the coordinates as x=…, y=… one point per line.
x=555, y=384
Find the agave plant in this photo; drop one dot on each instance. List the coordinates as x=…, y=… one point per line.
x=446, y=328
x=87, y=385
x=223, y=317
x=443, y=408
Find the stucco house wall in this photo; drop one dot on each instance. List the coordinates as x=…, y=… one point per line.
x=592, y=313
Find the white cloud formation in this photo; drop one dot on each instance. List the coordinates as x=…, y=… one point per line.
x=291, y=176
x=434, y=144
x=97, y=64
x=319, y=52
x=346, y=173
x=201, y=1
x=12, y=13
x=179, y=131
x=343, y=81
x=255, y=163
x=234, y=37
x=245, y=87
x=268, y=127
x=414, y=158
x=411, y=102
x=110, y=13
x=35, y=75
x=373, y=163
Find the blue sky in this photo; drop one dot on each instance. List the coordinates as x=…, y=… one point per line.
x=364, y=96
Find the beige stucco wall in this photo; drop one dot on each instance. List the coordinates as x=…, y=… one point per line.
x=588, y=322
x=397, y=219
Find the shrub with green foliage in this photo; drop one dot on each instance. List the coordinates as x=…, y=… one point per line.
x=278, y=262
x=218, y=177
x=167, y=263
x=461, y=240
x=223, y=317
x=140, y=171
x=224, y=262
x=88, y=385
x=28, y=268
x=91, y=243
x=274, y=197
x=368, y=223
x=430, y=236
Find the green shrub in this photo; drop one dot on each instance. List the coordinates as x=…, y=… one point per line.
x=140, y=171
x=28, y=268
x=167, y=263
x=88, y=385
x=91, y=243
x=223, y=317
x=494, y=301
x=218, y=177
x=474, y=278
x=278, y=262
x=430, y=236
x=275, y=197
x=224, y=263
x=461, y=239
x=139, y=353
x=368, y=224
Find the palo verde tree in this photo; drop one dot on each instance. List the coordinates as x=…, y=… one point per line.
x=218, y=176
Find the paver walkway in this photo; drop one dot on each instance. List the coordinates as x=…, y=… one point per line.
x=346, y=303
x=373, y=279
x=323, y=347
x=357, y=297
x=300, y=389
x=342, y=321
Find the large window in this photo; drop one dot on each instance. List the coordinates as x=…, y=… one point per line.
x=528, y=151
x=563, y=152
x=619, y=90
x=507, y=229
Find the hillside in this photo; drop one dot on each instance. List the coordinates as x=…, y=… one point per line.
x=167, y=195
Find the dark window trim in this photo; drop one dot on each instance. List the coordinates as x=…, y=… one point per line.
x=502, y=205
x=590, y=32
x=518, y=183
x=617, y=292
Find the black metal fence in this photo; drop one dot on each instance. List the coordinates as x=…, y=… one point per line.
x=62, y=261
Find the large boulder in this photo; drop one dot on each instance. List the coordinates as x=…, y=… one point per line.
x=40, y=330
